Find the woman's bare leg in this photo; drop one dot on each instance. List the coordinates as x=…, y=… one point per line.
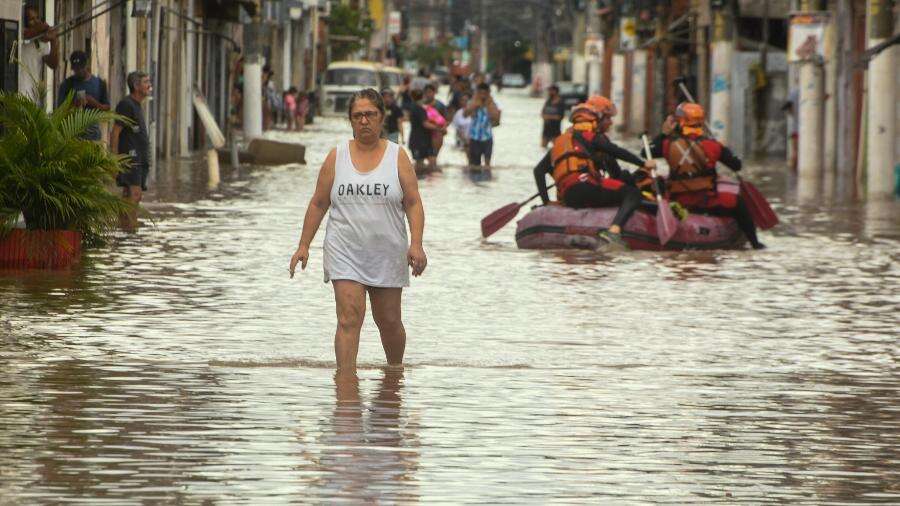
x=350, y=302
x=386, y=312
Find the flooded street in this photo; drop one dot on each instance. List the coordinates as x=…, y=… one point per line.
x=181, y=364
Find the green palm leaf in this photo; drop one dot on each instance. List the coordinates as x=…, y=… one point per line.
x=51, y=175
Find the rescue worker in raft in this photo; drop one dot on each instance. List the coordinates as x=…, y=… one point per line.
x=582, y=162
x=693, y=181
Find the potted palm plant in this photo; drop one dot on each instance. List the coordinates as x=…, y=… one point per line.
x=56, y=180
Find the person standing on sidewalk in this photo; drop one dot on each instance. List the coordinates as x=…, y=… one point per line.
x=131, y=138
x=89, y=91
x=485, y=114
x=366, y=185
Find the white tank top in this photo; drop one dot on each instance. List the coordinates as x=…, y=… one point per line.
x=365, y=239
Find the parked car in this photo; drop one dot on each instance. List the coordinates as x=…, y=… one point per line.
x=572, y=93
x=513, y=81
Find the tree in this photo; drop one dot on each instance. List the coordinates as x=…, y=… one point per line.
x=348, y=31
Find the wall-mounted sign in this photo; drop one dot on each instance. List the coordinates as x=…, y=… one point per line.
x=806, y=39
x=395, y=23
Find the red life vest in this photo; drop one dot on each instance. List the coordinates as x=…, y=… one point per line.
x=692, y=163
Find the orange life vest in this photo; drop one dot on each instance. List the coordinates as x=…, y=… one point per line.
x=571, y=154
x=692, y=164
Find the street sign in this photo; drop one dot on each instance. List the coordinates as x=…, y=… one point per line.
x=395, y=22
x=627, y=34
x=593, y=49
x=806, y=38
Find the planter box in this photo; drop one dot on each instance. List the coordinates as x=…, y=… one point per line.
x=40, y=249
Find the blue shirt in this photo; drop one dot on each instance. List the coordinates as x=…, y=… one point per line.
x=480, y=129
x=93, y=86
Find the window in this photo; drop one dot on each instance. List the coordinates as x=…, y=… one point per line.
x=351, y=77
x=390, y=79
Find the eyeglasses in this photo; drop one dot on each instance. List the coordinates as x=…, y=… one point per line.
x=369, y=115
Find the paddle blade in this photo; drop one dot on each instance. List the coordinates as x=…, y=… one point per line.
x=498, y=219
x=762, y=213
x=666, y=222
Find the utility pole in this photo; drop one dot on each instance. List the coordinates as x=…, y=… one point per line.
x=595, y=60
x=881, y=128
x=252, y=101
x=810, y=152
x=287, y=55
x=722, y=56
x=618, y=77
x=151, y=61
x=186, y=91
x=639, y=72
x=483, y=39
x=579, y=63
x=830, y=144
x=700, y=11
x=49, y=18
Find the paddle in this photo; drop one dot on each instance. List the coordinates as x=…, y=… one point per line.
x=499, y=218
x=666, y=222
x=762, y=213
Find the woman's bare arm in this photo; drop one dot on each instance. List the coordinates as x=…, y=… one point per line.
x=320, y=201
x=415, y=213
x=315, y=211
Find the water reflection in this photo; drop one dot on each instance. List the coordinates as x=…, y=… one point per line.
x=370, y=453
x=112, y=432
x=181, y=365
x=809, y=190
x=478, y=174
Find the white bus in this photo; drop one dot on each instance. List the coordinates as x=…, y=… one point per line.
x=343, y=79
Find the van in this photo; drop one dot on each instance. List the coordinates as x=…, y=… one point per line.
x=343, y=79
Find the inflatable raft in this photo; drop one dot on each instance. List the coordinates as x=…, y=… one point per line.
x=553, y=227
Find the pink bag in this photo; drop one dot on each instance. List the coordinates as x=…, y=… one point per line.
x=434, y=116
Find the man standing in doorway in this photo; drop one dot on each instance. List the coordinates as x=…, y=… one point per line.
x=485, y=114
x=43, y=50
x=132, y=139
x=89, y=91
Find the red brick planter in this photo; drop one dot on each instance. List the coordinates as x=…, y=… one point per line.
x=40, y=249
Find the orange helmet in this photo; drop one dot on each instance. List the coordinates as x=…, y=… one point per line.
x=584, y=117
x=689, y=114
x=603, y=106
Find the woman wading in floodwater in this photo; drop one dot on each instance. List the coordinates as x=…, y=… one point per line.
x=368, y=183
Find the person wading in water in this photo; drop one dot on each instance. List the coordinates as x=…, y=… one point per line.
x=368, y=184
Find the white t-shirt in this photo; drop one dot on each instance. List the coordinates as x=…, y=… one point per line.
x=461, y=123
x=32, y=69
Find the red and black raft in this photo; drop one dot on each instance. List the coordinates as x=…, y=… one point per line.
x=556, y=227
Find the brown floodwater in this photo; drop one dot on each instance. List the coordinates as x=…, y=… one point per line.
x=180, y=364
